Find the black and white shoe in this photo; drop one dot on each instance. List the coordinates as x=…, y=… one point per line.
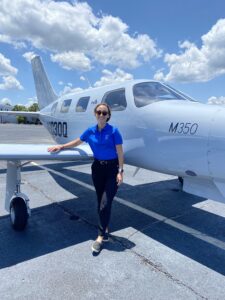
x=96, y=247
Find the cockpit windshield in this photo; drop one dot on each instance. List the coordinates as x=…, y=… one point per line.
x=149, y=92
x=179, y=92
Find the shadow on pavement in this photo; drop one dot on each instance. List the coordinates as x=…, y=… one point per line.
x=72, y=222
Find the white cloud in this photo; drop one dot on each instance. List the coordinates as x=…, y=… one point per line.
x=6, y=101
x=216, y=100
x=118, y=48
x=10, y=82
x=31, y=101
x=7, y=72
x=5, y=66
x=72, y=60
x=29, y=55
x=69, y=84
x=73, y=34
x=198, y=64
x=107, y=78
x=6, y=39
x=113, y=77
x=68, y=89
x=159, y=75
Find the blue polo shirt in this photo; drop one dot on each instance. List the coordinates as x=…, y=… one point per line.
x=103, y=143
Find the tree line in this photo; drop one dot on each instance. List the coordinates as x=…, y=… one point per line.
x=34, y=107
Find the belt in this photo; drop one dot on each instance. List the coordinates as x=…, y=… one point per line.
x=107, y=162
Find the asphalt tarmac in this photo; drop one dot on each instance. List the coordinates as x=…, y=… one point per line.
x=165, y=243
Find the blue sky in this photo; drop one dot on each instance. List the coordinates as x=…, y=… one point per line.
x=103, y=41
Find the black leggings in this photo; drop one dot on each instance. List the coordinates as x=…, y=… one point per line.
x=104, y=179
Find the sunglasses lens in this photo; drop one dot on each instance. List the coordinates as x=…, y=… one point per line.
x=99, y=112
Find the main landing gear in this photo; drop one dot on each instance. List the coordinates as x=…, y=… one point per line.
x=16, y=203
x=18, y=213
x=181, y=180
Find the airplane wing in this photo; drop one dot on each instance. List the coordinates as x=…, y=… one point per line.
x=15, y=152
x=20, y=113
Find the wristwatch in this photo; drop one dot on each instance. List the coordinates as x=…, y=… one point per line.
x=120, y=170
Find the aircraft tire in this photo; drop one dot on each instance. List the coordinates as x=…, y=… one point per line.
x=181, y=180
x=18, y=214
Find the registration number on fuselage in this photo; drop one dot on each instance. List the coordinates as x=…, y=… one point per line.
x=58, y=128
x=183, y=128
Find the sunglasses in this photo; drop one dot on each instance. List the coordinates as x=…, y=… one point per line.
x=99, y=113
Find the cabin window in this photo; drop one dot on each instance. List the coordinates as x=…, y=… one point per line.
x=53, y=109
x=149, y=92
x=82, y=104
x=65, y=105
x=116, y=99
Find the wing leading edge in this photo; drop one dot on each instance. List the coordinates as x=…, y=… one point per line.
x=39, y=152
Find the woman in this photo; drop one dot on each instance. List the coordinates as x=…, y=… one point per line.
x=107, y=168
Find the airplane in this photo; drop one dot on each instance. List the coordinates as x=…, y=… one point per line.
x=163, y=130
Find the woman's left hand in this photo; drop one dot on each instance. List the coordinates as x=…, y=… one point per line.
x=119, y=178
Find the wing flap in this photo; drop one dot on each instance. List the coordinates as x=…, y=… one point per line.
x=39, y=152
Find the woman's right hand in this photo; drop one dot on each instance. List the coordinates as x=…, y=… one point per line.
x=55, y=148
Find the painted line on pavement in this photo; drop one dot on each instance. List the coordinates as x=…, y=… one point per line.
x=184, y=228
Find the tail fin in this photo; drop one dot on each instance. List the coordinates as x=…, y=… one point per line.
x=44, y=90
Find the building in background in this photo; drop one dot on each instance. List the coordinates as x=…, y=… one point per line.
x=19, y=119
x=7, y=119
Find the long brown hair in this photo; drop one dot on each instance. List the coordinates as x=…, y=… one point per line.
x=106, y=105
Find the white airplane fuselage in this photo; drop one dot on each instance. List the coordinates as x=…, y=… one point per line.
x=177, y=137
x=163, y=130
